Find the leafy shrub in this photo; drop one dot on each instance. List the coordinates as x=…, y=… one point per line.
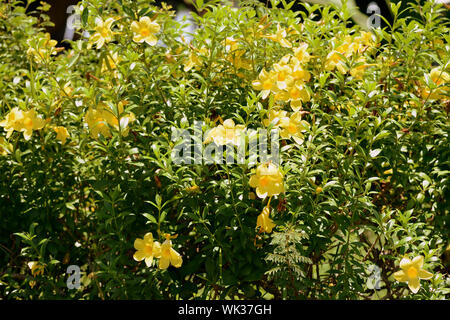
x=89, y=178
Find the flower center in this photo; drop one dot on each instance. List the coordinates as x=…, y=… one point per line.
x=148, y=250
x=165, y=252
x=104, y=32
x=264, y=181
x=145, y=32
x=292, y=128
x=28, y=122
x=267, y=85
x=412, y=272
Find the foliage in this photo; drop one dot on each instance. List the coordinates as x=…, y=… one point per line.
x=364, y=172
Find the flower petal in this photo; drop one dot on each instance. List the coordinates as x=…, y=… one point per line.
x=418, y=262
x=149, y=261
x=423, y=274
x=405, y=263
x=175, y=258
x=414, y=285
x=401, y=276
x=164, y=263
x=139, y=244
x=139, y=255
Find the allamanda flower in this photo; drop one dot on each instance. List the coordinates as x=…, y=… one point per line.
x=168, y=255
x=36, y=268
x=144, y=31
x=266, y=83
x=61, y=134
x=228, y=133
x=268, y=180
x=441, y=79
x=23, y=121
x=263, y=222
x=147, y=249
x=293, y=127
x=280, y=37
x=412, y=272
x=103, y=33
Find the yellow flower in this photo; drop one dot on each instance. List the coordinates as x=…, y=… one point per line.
x=358, y=71
x=168, y=255
x=97, y=123
x=280, y=37
x=266, y=83
x=145, y=30
x=440, y=79
x=263, y=222
x=366, y=38
x=284, y=78
x=293, y=127
x=268, y=180
x=36, y=268
x=101, y=118
x=301, y=54
x=110, y=62
x=300, y=75
x=61, y=134
x=275, y=116
x=147, y=249
x=103, y=33
x=45, y=48
x=296, y=94
x=228, y=133
x=412, y=272
x=334, y=60
x=13, y=121
x=235, y=55
x=195, y=60
x=23, y=121
x=5, y=147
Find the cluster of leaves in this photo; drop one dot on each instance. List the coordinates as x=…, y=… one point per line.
x=368, y=185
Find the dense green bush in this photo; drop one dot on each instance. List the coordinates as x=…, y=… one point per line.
x=87, y=168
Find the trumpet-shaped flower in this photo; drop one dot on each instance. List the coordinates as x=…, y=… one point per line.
x=268, y=180
x=97, y=123
x=103, y=33
x=36, y=268
x=147, y=249
x=42, y=49
x=293, y=127
x=144, y=31
x=266, y=83
x=263, y=222
x=168, y=255
x=411, y=272
x=61, y=134
x=296, y=94
x=23, y=121
x=228, y=133
x=274, y=117
x=301, y=54
x=441, y=79
x=99, y=120
x=284, y=78
x=5, y=147
x=195, y=60
x=280, y=37
x=334, y=60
